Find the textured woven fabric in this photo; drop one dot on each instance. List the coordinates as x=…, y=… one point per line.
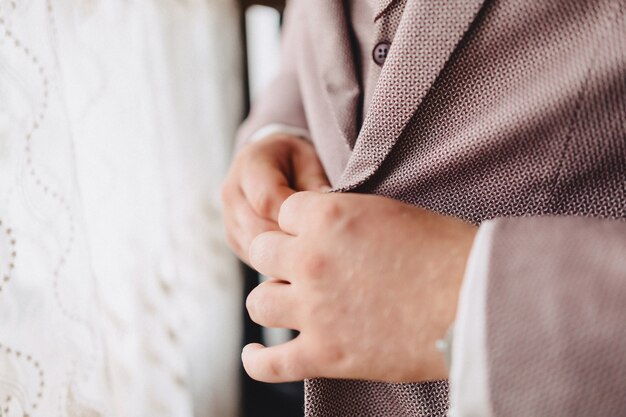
x=565, y=355
x=506, y=110
x=326, y=397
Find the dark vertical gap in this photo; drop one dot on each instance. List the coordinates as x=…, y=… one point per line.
x=259, y=399
x=356, y=48
x=243, y=6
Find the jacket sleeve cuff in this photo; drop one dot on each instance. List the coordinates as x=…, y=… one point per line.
x=469, y=388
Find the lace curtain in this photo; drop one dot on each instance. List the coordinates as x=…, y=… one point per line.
x=118, y=296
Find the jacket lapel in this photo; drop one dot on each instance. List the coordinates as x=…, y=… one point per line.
x=379, y=6
x=427, y=34
x=337, y=67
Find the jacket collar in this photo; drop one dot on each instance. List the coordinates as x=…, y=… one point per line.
x=411, y=68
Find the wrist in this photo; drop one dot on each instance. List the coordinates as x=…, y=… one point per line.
x=448, y=304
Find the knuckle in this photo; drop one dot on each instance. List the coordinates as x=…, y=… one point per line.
x=329, y=354
x=314, y=265
x=331, y=212
x=275, y=369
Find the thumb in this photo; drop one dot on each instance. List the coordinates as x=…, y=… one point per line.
x=308, y=172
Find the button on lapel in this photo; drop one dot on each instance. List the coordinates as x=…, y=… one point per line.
x=380, y=52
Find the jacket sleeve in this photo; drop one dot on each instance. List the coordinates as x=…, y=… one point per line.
x=554, y=317
x=281, y=102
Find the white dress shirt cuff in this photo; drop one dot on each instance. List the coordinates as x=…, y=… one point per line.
x=469, y=387
x=279, y=128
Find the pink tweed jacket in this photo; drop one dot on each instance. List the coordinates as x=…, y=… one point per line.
x=486, y=109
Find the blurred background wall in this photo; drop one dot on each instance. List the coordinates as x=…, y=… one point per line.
x=118, y=296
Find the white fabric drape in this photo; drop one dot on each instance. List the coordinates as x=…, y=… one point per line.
x=118, y=296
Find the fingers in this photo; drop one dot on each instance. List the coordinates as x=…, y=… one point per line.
x=308, y=171
x=272, y=254
x=260, y=180
x=265, y=187
x=283, y=363
x=251, y=224
x=298, y=210
x=243, y=224
x=270, y=180
x=273, y=304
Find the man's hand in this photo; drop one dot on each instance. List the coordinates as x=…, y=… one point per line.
x=370, y=283
x=261, y=177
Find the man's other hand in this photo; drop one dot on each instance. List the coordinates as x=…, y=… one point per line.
x=369, y=282
x=261, y=177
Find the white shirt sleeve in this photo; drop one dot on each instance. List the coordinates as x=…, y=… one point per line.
x=469, y=387
x=276, y=128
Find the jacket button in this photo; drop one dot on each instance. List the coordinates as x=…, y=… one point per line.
x=380, y=52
